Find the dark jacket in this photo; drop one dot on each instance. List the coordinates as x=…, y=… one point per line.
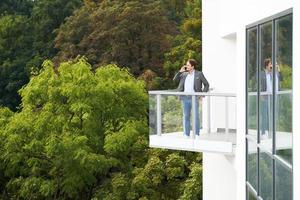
x=263, y=79
x=199, y=80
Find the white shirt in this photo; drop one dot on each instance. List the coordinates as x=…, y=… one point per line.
x=269, y=80
x=189, y=82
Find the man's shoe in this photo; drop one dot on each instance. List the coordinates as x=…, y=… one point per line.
x=186, y=136
x=197, y=137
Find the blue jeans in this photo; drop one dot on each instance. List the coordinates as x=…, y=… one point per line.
x=265, y=114
x=187, y=108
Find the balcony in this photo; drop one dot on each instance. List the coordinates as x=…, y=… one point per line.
x=217, y=115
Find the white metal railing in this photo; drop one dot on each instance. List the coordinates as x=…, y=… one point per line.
x=270, y=93
x=208, y=95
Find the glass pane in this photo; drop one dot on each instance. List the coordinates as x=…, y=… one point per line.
x=152, y=115
x=252, y=164
x=266, y=176
x=266, y=83
x=177, y=115
x=283, y=106
x=171, y=115
x=252, y=81
x=250, y=195
x=284, y=183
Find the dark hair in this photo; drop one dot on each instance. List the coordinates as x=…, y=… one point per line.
x=267, y=61
x=193, y=62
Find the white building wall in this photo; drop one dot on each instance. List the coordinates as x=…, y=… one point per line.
x=218, y=185
x=224, y=24
x=219, y=66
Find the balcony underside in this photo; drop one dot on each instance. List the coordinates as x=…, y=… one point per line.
x=207, y=142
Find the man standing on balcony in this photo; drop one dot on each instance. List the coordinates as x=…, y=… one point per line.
x=190, y=80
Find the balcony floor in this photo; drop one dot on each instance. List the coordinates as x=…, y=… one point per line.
x=284, y=140
x=207, y=142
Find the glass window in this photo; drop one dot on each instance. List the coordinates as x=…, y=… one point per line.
x=269, y=108
x=284, y=182
x=152, y=115
x=283, y=71
x=250, y=195
x=252, y=82
x=266, y=176
x=252, y=164
x=266, y=98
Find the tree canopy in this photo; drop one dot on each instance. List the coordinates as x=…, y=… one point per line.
x=129, y=33
x=75, y=127
x=83, y=135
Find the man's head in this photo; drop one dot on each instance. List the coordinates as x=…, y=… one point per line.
x=191, y=64
x=268, y=64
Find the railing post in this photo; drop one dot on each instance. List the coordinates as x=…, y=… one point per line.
x=194, y=116
x=158, y=114
x=208, y=114
x=226, y=116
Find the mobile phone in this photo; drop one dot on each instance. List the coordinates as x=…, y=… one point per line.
x=185, y=68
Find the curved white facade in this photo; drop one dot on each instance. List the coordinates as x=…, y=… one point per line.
x=224, y=58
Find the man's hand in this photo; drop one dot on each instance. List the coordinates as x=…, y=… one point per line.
x=182, y=69
x=278, y=67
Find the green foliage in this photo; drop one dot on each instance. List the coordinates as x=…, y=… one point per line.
x=286, y=82
x=19, y=7
x=185, y=47
x=175, y=166
x=81, y=131
x=15, y=43
x=188, y=43
x=27, y=32
x=83, y=135
x=46, y=18
x=193, y=185
x=174, y=9
x=171, y=114
x=129, y=33
x=165, y=176
x=54, y=146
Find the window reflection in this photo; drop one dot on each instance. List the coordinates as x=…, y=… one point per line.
x=274, y=83
x=252, y=164
x=283, y=106
x=266, y=83
x=284, y=179
x=266, y=176
x=252, y=82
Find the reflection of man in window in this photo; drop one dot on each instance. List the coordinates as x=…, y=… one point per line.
x=266, y=92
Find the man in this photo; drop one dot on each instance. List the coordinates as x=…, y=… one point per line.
x=190, y=80
x=266, y=77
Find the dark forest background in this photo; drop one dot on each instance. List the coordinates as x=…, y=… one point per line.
x=74, y=76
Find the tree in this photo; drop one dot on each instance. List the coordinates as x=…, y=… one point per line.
x=27, y=32
x=129, y=33
x=187, y=44
x=83, y=135
x=46, y=18
x=16, y=7
x=174, y=9
x=15, y=52
x=193, y=185
x=53, y=148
